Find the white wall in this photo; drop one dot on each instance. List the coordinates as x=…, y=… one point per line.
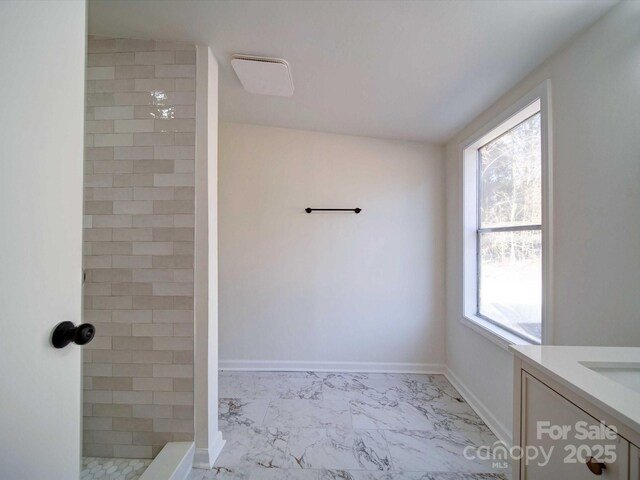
x=596, y=161
x=305, y=290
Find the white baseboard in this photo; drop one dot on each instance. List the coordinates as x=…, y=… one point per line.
x=174, y=462
x=205, y=457
x=497, y=427
x=294, y=366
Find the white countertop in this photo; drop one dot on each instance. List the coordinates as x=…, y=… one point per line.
x=570, y=367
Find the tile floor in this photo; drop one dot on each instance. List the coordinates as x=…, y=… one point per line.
x=323, y=426
x=94, y=468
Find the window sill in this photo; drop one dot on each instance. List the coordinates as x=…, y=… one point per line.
x=494, y=333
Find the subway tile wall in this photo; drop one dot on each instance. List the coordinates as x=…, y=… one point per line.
x=138, y=241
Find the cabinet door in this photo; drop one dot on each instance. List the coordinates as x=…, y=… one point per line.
x=552, y=424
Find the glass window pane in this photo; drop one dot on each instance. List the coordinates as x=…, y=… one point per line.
x=510, y=280
x=510, y=177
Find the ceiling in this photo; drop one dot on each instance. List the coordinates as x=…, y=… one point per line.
x=413, y=70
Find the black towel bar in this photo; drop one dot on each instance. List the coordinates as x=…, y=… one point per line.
x=355, y=210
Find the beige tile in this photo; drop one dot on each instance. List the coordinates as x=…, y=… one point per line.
x=184, y=46
x=185, y=84
x=152, y=438
x=186, y=57
x=172, y=343
x=132, y=370
x=175, y=71
x=134, y=180
x=97, y=316
x=134, y=45
x=133, y=288
x=152, y=357
x=113, y=139
x=152, y=411
x=111, y=410
x=112, y=329
x=173, y=425
x=100, y=100
x=113, y=166
x=173, y=206
x=111, y=356
x=111, y=221
x=113, y=113
x=109, y=59
x=183, y=358
x=153, y=166
x=184, y=193
x=98, y=369
x=172, y=398
x=133, y=207
x=97, y=261
x=99, y=153
x=183, y=275
x=132, y=153
x=152, y=248
x=132, y=261
x=99, y=126
x=152, y=330
x=97, y=396
x=153, y=221
x=133, y=316
x=153, y=275
x=153, y=384
x=112, y=383
x=132, y=343
x=134, y=71
x=185, y=138
x=112, y=437
x=101, y=180
x=173, y=180
x=97, y=423
x=133, y=424
x=99, y=343
x=182, y=411
x=98, y=207
x=151, y=84
x=153, y=193
x=109, y=86
x=183, y=330
x=175, y=125
x=174, y=153
x=133, y=126
x=132, y=397
x=113, y=193
x=172, y=316
x=152, y=303
x=173, y=261
x=101, y=73
x=140, y=98
x=112, y=248
x=173, y=234
x=131, y=234
x=184, y=166
x=101, y=44
x=92, y=450
x=154, y=58
x=178, y=98
x=113, y=275
x=183, y=385
x=175, y=289
x=173, y=371
x=132, y=451
x=112, y=303
x=145, y=139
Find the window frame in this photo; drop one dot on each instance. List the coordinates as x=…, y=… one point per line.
x=536, y=100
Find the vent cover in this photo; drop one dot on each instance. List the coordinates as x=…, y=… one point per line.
x=263, y=75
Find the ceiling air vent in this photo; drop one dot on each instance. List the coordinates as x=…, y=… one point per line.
x=263, y=75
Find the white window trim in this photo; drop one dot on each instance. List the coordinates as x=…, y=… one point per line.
x=512, y=116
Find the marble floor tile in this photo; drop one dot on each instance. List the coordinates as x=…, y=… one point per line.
x=369, y=414
x=338, y=449
x=237, y=385
x=425, y=451
x=254, y=447
x=308, y=414
x=241, y=412
x=253, y=473
x=303, y=387
x=363, y=475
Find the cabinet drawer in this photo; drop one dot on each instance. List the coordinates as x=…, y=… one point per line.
x=568, y=437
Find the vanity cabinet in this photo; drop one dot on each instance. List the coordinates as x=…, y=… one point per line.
x=565, y=431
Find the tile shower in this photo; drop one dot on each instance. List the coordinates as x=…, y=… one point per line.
x=139, y=246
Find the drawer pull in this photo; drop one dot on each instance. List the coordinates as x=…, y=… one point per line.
x=595, y=467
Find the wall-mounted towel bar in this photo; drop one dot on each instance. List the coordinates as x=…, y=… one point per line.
x=355, y=210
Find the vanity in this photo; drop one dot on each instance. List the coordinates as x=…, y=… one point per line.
x=576, y=413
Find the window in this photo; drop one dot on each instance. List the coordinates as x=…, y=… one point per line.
x=504, y=247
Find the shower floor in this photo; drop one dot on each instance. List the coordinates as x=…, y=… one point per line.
x=94, y=468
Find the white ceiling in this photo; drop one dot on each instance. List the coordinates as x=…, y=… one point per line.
x=416, y=70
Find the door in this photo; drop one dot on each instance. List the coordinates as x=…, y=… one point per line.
x=42, y=63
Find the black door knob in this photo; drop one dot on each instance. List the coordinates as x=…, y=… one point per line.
x=66, y=332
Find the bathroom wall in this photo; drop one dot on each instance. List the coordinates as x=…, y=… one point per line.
x=595, y=102
x=329, y=290
x=139, y=250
